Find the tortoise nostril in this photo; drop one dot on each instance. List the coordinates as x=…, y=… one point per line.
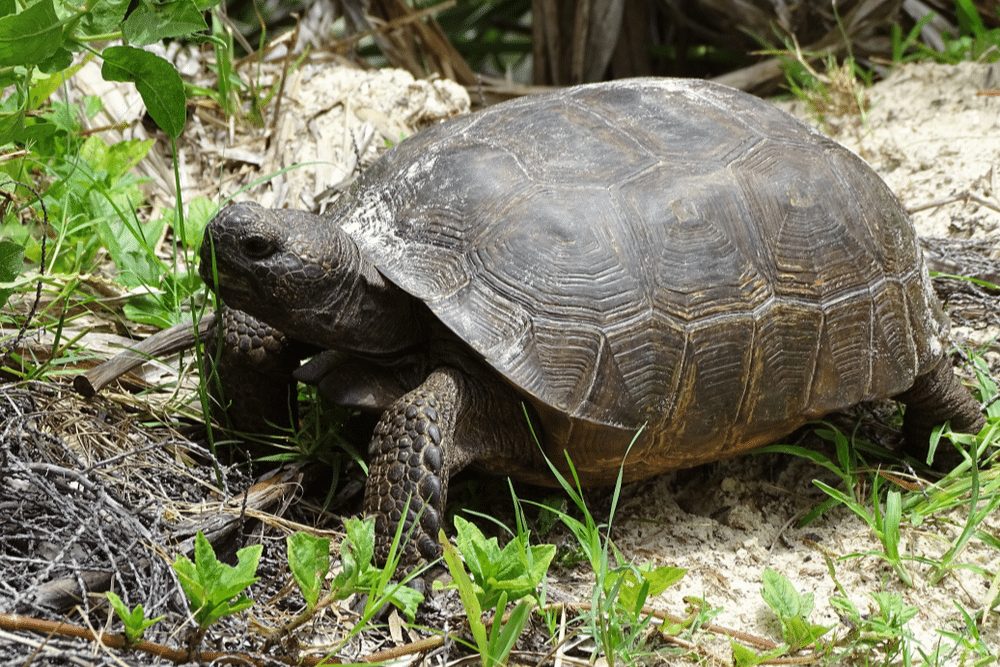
x=257, y=246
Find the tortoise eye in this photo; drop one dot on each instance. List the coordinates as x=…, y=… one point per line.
x=256, y=246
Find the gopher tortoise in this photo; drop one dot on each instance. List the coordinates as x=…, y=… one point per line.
x=659, y=253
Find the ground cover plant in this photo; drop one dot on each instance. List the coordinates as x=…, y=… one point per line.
x=562, y=580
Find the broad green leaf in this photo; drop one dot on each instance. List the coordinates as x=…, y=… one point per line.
x=124, y=155
x=7, y=7
x=792, y=609
x=11, y=125
x=663, y=577
x=11, y=264
x=201, y=210
x=234, y=579
x=744, y=656
x=63, y=116
x=360, y=542
x=210, y=585
x=157, y=81
x=309, y=561
x=479, y=553
x=31, y=36
x=782, y=598
x=135, y=621
x=406, y=599
x=641, y=583
x=104, y=16
x=150, y=23
x=57, y=62
x=42, y=86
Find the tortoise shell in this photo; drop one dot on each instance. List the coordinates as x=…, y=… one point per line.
x=673, y=254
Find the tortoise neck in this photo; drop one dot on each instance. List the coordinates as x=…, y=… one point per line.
x=372, y=315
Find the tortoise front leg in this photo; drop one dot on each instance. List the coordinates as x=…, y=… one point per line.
x=251, y=382
x=425, y=437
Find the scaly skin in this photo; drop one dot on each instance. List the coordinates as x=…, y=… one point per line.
x=450, y=421
x=936, y=397
x=246, y=353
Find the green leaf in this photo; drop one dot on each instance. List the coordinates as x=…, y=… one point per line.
x=150, y=23
x=479, y=553
x=473, y=612
x=406, y=599
x=104, y=16
x=744, y=656
x=502, y=646
x=11, y=125
x=124, y=155
x=157, y=81
x=969, y=20
x=201, y=210
x=309, y=561
x=782, y=598
x=135, y=621
x=7, y=7
x=638, y=584
x=57, y=62
x=31, y=36
x=235, y=579
x=211, y=585
x=11, y=264
x=515, y=571
x=792, y=609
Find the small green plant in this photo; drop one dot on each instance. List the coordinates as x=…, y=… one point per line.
x=215, y=589
x=884, y=524
x=617, y=618
x=884, y=628
x=516, y=571
x=884, y=521
x=134, y=620
x=494, y=647
x=309, y=561
x=359, y=575
x=498, y=576
x=973, y=41
x=840, y=90
x=969, y=646
x=792, y=609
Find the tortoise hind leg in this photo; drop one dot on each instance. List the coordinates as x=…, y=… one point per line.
x=936, y=397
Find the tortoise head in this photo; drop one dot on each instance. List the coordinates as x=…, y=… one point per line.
x=284, y=267
x=303, y=275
